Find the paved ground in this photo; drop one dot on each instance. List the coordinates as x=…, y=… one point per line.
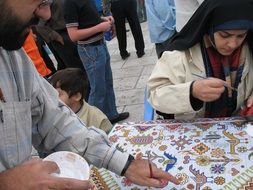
x=130, y=75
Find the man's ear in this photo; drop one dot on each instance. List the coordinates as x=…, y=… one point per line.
x=77, y=97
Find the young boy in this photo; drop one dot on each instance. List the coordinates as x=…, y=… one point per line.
x=72, y=85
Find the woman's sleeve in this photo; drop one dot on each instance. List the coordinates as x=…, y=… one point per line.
x=169, y=84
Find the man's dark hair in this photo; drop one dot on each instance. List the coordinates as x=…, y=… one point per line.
x=71, y=80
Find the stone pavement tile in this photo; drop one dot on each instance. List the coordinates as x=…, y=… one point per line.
x=150, y=51
x=142, y=82
x=136, y=112
x=127, y=72
x=149, y=47
x=117, y=65
x=148, y=70
x=145, y=60
x=115, y=55
x=113, y=44
x=129, y=97
x=153, y=52
x=120, y=109
x=125, y=83
x=116, y=58
x=131, y=75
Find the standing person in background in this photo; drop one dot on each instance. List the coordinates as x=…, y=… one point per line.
x=161, y=22
x=184, y=11
x=86, y=27
x=30, y=45
x=32, y=51
x=141, y=11
x=44, y=50
x=55, y=34
x=122, y=10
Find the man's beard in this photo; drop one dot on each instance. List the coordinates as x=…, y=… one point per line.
x=13, y=41
x=13, y=32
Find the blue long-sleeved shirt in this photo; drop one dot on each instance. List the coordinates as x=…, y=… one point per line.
x=161, y=19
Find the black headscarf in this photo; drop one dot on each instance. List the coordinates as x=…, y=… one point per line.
x=210, y=14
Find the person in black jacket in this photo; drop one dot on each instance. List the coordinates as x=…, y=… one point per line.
x=122, y=10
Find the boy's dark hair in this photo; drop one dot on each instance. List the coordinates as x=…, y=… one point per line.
x=71, y=80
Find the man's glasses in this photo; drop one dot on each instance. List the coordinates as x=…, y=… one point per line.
x=45, y=2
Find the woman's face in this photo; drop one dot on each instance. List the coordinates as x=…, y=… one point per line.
x=227, y=41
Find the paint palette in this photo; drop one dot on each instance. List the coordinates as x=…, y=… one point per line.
x=71, y=165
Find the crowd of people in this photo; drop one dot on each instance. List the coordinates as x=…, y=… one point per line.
x=204, y=65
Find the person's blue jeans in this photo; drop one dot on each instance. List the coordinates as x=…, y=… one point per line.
x=96, y=61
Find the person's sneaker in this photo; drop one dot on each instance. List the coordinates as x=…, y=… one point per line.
x=125, y=55
x=140, y=54
x=121, y=117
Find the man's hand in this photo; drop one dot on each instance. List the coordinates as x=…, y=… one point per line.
x=105, y=26
x=208, y=90
x=138, y=172
x=247, y=109
x=108, y=19
x=35, y=175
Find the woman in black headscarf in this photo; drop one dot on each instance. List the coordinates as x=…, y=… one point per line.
x=208, y=68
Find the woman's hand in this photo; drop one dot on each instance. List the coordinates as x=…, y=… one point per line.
x=208, y=90
x=249, y=102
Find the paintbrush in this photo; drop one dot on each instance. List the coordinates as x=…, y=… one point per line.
x=225, y=84
x=150, y=166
